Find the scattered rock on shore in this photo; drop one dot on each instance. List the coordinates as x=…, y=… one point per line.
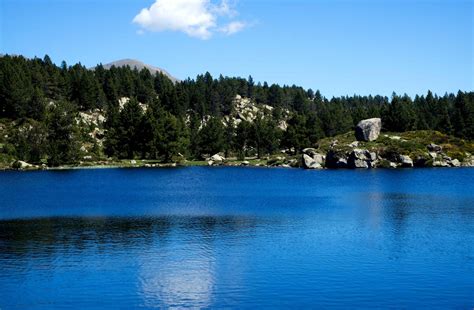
x=310, y=163
x=406, y=161
x=312, y=159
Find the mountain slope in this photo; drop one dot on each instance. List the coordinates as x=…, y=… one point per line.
x=132, y=63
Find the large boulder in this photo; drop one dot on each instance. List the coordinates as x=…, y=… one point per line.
x=368, y=129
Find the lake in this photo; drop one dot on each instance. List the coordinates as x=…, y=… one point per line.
x=206, y=237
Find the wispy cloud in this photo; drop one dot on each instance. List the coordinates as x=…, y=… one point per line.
x=233, y=27
x=196, y=18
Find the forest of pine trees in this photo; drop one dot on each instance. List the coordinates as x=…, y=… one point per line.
x=46, y=99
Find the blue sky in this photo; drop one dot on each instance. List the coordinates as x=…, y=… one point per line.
x=338, y=46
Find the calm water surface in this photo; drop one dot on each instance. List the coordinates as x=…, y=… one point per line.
x=237, y=238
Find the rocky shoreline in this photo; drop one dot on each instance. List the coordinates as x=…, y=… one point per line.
x=365, y=148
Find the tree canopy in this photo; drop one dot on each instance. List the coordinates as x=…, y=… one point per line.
x=164, y=120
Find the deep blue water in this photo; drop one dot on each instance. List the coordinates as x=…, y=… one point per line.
x=237, y=238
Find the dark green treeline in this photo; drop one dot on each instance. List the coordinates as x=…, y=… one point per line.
x=46, y=99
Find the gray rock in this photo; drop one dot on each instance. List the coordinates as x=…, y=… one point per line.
x=468, y=162
x=440, y=163
x=310, y=163
x=319, y=158
x=455, y=163
x=360, y=164
x=372, y=156
x=392, y=165
x=359, y=158
x=406, y=161
x=368, y=129
x=217, y=158
x=245, y=163
x=20, y=164
x=359, y=154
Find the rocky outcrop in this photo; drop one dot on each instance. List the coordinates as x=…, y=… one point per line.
x=364, y=159
x=368, y=129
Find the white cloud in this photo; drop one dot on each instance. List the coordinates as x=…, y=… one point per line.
x=233, y=27
x=196, y=18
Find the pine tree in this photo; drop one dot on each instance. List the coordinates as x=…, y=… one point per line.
x=211, y=137
x=128, y=129
x=63, y=147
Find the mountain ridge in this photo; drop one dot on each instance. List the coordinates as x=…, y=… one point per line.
x=134, y=63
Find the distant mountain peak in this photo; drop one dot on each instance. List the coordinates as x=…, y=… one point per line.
x=133, y=63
